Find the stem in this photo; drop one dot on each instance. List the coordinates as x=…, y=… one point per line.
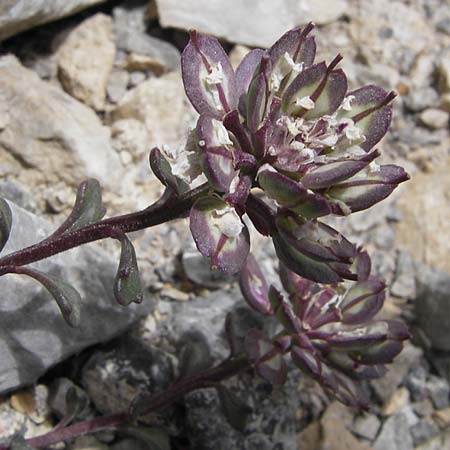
x=156, y=214
x=146, y=404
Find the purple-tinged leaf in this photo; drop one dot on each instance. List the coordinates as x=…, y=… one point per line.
x=283, y=311
x=327, y=174
x=370, y=110
x=5, y=222
x=296, y=43
x=127, y=284
x=290, y=159
x=307, y=362
x=362, y=265
x=293, y=283
x=382, y=353
x=219, y=234
x=357, y=193
x=234, y=409
x=261, y=215
x=281, y=188
x=258, y=95
x=239, y=191
x=232, y=122
x=362, y=301
x=66, y=296
x=163, y=171
x=273, y=370
x=302, y=265
x=303, y=87
x=208, y=76
x=217, y=164
x=246, y=70
x=254, y=286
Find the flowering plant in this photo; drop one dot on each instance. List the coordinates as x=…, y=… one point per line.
x=279, y=143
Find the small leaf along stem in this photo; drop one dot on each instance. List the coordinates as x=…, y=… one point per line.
x=146, y=404
x=160, y=212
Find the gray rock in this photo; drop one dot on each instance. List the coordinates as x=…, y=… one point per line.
x=17, y=16
x=87, y=443
x=387, y=385
x=432, y=306
x=439, y=392
x=113, y=378
x=33, y=335
x=117, y=85
x=131, y=36
x=47, y=130
x=395, y=434
x=421, y=98
x=404, y=284
x=57, y=398
x=423, y=430
x=252, y=23
x=367, y=426
x=440, y=442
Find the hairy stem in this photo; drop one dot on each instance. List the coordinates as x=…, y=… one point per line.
x=145, y=404
x=156, y=214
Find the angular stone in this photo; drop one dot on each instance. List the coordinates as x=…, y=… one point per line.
x=251, y=23
x=20, y=15
x=160, y=104
x=367, y=426
x=33, y=334
x=440, y=442
x=46, y=130
x=85, y=59
x=425, y=206
x=394, y=435
x=432, y=306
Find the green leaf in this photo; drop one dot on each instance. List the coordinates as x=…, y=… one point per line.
x=88, y=207
x=196, y=355
x=127, y=285
x=5, y=222
x=65, y=295
x=234, y=409
x=155, y=438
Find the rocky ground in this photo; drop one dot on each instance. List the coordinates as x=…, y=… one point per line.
x=89, y=94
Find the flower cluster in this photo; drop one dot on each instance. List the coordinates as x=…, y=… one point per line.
x=281, y=142
x=289, y=127
x=329, y=332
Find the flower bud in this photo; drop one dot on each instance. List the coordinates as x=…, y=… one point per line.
x=365, y=189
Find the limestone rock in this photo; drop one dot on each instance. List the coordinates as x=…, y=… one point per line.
x=161, y=105
x=395, y=434
x=20, y=15
x=425, y=206
x=85, y=60
x=434, y=118
x=33, y=335
x=251, y=23
x=45, y=130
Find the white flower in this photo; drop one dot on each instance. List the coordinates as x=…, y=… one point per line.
x=305, y=102
x=346, y=103
x=210, y=81
x=221, y=136
x=228, y=221
x=285, y=66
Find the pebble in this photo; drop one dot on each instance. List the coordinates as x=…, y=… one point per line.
x=434, y=118
x=367, y=426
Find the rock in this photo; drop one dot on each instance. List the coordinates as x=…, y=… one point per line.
x=130, y=26
x=137, y=77
x=197, y=269
x=367, y=426
x=439, y=392
x=443, y=72
x=442, y=417
x=309, y=438
x=387, y=385
x=396, y=403
x=34, y=335
x=421, y=98
x=432, y=306
x=21, y=15
x=130, y=135
x=434, y=118
x=335, y=434
x=440, y=442
x=394, y=435
x=425, y=206
x=49, y=133
x=160, y=104
x=117, y=85
x=404, y=282
x=87, y=443
x=129, y=444
x=256, y=24
x=114, y=377
x=83, y=75
x=423, y=430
